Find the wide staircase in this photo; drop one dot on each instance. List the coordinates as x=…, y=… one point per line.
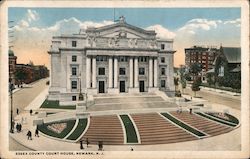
x=119, y=102
x=106, y=128
x=205, y=125
x=154, y=129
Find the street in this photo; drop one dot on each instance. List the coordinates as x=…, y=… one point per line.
x=22, y=99
x=216, y=97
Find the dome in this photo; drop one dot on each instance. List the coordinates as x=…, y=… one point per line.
x=11, y=53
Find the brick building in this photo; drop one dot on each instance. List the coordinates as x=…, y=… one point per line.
x=201, y=55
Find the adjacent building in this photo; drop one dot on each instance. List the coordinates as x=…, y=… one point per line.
x=12, y=66
x=113, y=59
x=202, y=55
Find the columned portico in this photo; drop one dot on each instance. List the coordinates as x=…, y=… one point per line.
x=94, y=72
x=150, y=73
x=115, y=72
x=131, y=71
x=88, y=72
x=155, y=72
x=110, y=72
x=136, y=72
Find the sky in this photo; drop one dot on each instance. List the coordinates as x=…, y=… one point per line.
x=33, y=28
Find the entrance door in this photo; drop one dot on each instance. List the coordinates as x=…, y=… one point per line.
x=141, y=86
x=122, y=86
x=101, y=86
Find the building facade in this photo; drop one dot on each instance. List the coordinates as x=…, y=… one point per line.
x=113, y=59
x=12, y=66
x=202, y=55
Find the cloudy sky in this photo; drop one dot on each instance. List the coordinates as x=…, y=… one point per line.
x=34, y=27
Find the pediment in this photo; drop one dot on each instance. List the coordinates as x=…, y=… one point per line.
x=123, y=30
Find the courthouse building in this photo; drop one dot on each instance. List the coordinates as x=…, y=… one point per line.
x=113, y=59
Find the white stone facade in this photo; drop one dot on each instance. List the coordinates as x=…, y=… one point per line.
x=113, y=59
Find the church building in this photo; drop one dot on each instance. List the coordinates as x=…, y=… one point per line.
x=113, y=59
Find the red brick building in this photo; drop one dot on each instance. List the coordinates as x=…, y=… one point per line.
x=201, y=55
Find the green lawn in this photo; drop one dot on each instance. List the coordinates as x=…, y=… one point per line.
x=43, y=128
x=130, y=130
x=214, y=119
x=231, y=118
x=55, y=105
x=79, y=129
x=183, y=125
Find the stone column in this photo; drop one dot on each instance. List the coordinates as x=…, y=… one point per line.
x=94, y=72
x=150, y=72
x=115, y=72
x=88, y=74
x=155, y=73
x=131, y=72
x=136, y=74
x=110, y=72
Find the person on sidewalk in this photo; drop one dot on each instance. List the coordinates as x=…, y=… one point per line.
x=87, y=142
x=31, y=111
x=20, y=127
x=17, y=127
x=81, y=145
x=17, y=111
x=37, y=133
x=29, y=134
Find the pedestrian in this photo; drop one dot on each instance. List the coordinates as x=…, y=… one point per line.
x=87, y=142
x=31, y=111
x=191, y=98
x=100, y=146
x=131, y=149
x=20, y=127
x=29, y=134
x=190, y=110
x=17, y=111
x=17, y=127
x=81, y=146
x=37, y=133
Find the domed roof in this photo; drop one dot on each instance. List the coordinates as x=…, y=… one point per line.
x=11, y=53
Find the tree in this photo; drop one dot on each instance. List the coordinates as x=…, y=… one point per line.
x=20, y=75
x=209, y=79
x=183, y=74
x=196, y=86
x=195, y=69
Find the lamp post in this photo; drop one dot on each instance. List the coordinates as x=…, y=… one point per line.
x=11, y=107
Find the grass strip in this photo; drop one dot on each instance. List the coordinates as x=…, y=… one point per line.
x=214, y=119
x=79, y=129
x=43, y=128
x=231, y=118
x=130, y=130
x=54, y=104
x=183, y=125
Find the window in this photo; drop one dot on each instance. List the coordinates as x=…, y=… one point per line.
x=73, y=43
x=73, y=69
x=73, y=98
x=73, y=84
x=162, y=59
x=162, y=71
x=141, y=71
x=101, y=58
x=143, y=59
x=162, y=46
x=122, y=71
x=163, y=83
x=74, y=58
x=101, y=71
x=123, y=59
